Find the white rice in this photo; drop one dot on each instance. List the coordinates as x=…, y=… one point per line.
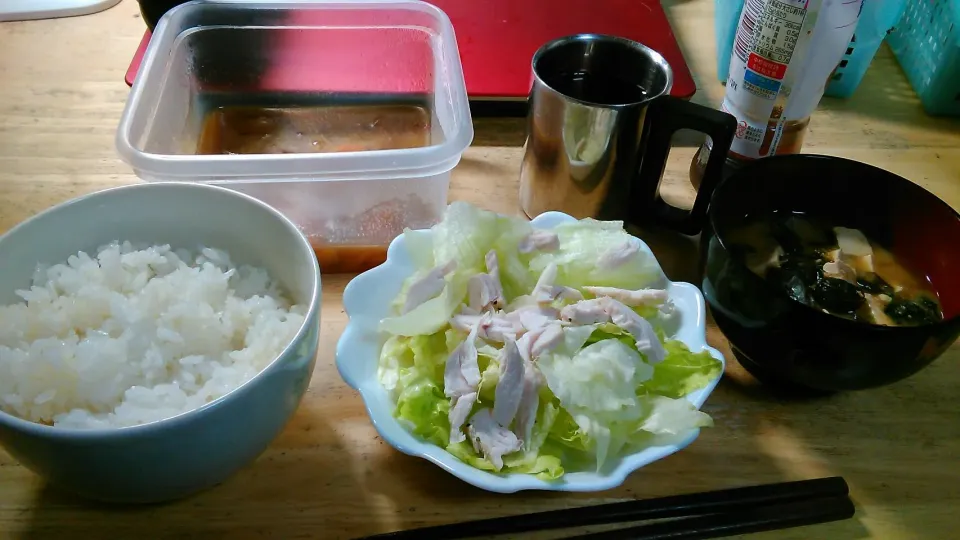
x=137, y=335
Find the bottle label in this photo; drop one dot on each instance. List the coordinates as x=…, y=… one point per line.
x=771, y=39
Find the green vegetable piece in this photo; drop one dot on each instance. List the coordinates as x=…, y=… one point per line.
x=682, y=371
x=874, y=284
x=837, y=296
x=922, y=310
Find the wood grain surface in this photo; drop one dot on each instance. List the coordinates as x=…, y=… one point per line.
x=329, y=476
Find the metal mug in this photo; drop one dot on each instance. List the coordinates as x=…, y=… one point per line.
x=599, y=127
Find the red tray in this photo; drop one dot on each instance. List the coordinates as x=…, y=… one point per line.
x=497, y=38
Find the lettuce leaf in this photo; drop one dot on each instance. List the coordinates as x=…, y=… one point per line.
x=420, y=248
x=423, y=408
x=467, y=233
x=666, y=416
x=610, y=395
x=489, y=377
x=394, y=357
x=583, y=243
x=566, y=431
x=430, y=355
x=430, y=316
x=600, y=379
x=682, y=371
x=597, y=387
x=515, y=275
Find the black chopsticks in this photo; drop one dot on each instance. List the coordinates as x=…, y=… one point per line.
x=757, y=519
x=710, y=514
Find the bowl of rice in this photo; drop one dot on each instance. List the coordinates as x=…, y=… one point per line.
x=154, y=338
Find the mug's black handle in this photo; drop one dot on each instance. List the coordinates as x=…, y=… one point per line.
x=665, y=115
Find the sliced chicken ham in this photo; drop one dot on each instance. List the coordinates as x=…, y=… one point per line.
x=539, y=240
x=461, y=375
x=490, y=438
x=537, y=342
x=461, y=380
x=546, y=292
x=640, y=297
x=648, y=343
x=429, y=286
x=591, y=311
x=529, y=403
x=534, y=317
x=606, y=309
x=460, y=408
x=499, y=325
x=490, y=326
x=484, y=290
x=510, y=385
x=546, y=340
x=525, y=343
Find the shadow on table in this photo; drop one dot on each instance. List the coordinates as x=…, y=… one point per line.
x=891, y=444
x=499, y=131
x=304, y=486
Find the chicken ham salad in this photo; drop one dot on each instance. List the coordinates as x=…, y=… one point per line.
x=525, y=350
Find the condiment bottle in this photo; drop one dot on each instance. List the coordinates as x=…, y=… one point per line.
x=784, y=53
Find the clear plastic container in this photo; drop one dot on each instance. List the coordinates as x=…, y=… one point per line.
x=351, y=204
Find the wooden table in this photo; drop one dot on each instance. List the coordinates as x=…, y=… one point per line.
x=329, y=475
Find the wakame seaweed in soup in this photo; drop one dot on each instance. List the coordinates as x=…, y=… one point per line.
x=835, y=269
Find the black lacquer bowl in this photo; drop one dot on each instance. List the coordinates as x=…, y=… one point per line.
x=782, y=341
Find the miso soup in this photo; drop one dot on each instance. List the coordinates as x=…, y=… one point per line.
x=837, y=270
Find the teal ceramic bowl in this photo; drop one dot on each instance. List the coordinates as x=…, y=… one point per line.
x=181, y=455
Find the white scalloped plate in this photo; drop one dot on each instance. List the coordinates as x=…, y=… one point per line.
x=367, y=300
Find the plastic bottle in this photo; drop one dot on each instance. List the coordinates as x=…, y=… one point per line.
x=783, y=55
x=877, y=19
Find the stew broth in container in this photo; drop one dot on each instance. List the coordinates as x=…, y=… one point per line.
x=237, y=129
x=348, y=118
x=280, y=129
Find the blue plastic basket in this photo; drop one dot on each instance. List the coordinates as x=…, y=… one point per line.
x=725, y=18
x=877, y=17
x=927, y=44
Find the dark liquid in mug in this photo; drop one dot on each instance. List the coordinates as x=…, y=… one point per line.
x=602, y=89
